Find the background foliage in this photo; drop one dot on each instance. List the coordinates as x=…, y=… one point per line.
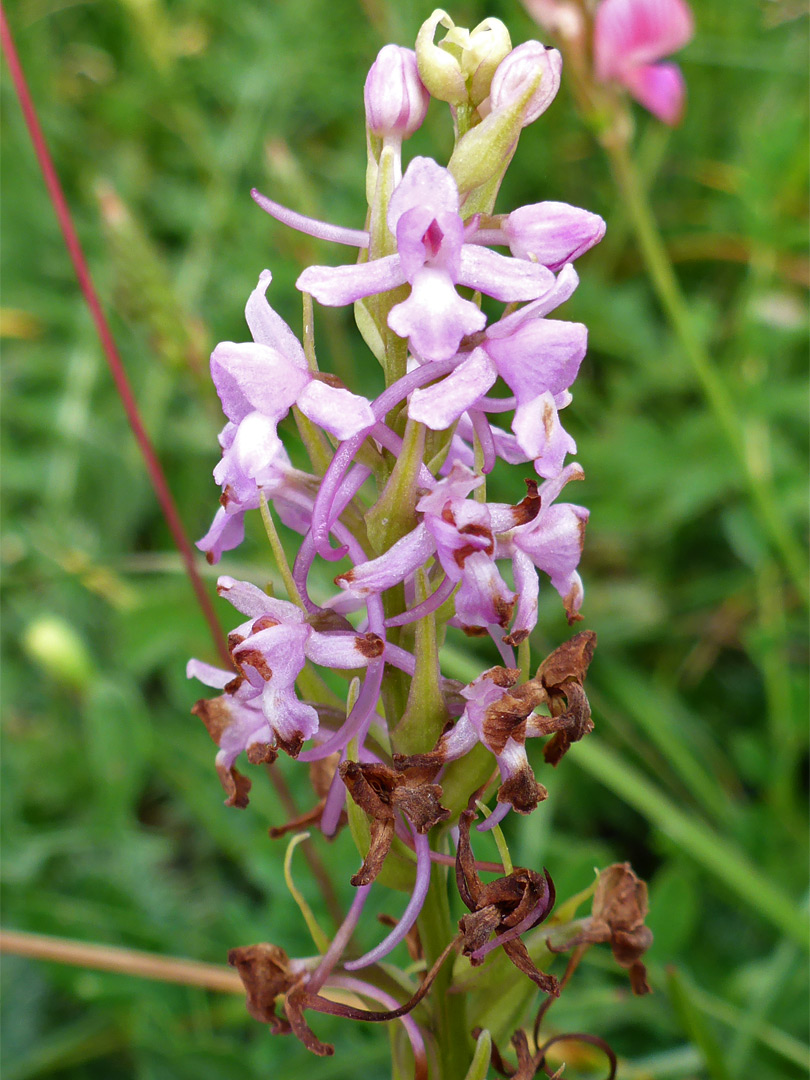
x=161, y=114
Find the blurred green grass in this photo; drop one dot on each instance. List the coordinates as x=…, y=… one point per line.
x=161, y=116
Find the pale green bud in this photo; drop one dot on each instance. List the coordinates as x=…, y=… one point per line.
x=487, y=149
x=439, y=65
x=459, y=69
x=488, y=44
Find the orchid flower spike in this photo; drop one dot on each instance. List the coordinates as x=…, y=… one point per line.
x=630, y=37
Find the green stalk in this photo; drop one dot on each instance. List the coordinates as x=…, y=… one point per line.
x=278, y=552
x=676, y=307
x=451, y=1029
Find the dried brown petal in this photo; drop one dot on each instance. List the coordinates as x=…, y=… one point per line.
x=380, y=790
x=265, y=974
x=261, y=754
x=522, y=791
x=500, y=905
x=235, y=785
x=620, y=899
x=529, y=507
x=215, y=713
x=619, y=910
x=477, y=928
x=568, y=661
x=561, y=676
x=369, y=645
x=519, y=955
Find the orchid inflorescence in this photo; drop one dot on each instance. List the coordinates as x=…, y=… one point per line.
x=396, y=499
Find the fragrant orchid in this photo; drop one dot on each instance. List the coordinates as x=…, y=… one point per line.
x=399, y=481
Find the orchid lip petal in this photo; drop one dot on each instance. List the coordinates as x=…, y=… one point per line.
x=311, y=226
x=434, y=317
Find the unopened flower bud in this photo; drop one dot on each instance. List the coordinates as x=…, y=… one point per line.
x=552, y=233
x=519, y=70
x=460, y=68
x=489, y=43
x=396, y=100
x=439, y=67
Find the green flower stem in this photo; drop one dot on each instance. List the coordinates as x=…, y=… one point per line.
x=279, y=554
x=451, y=1028
x=676, y=307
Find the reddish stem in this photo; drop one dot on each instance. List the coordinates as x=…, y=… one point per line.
x=153, y=467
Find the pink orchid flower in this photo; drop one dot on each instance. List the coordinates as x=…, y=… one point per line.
x=630, y=37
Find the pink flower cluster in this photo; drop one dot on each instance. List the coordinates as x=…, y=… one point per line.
x=425, y=260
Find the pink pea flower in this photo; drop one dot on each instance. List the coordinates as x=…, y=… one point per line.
x=630, y=37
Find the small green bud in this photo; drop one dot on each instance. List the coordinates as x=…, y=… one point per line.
x=460, y=68
x=439, y=65
x=56, y=647
x=488, y=44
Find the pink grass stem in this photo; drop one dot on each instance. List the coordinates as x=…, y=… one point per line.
x=82, y=270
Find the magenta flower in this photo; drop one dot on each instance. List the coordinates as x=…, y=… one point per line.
x=433, y=256
x=518, y=70
x=260, y=712
x=537, y=358
x=290, y=491
x=458, y=532
x=258, y=382
x=550, y=541
x=630, y=37
x=552, y=233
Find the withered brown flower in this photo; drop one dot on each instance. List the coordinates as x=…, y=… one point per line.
x=380, y=790
x=617, y=918
x=267, y=974
x=561, y=676
x=506, y=907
